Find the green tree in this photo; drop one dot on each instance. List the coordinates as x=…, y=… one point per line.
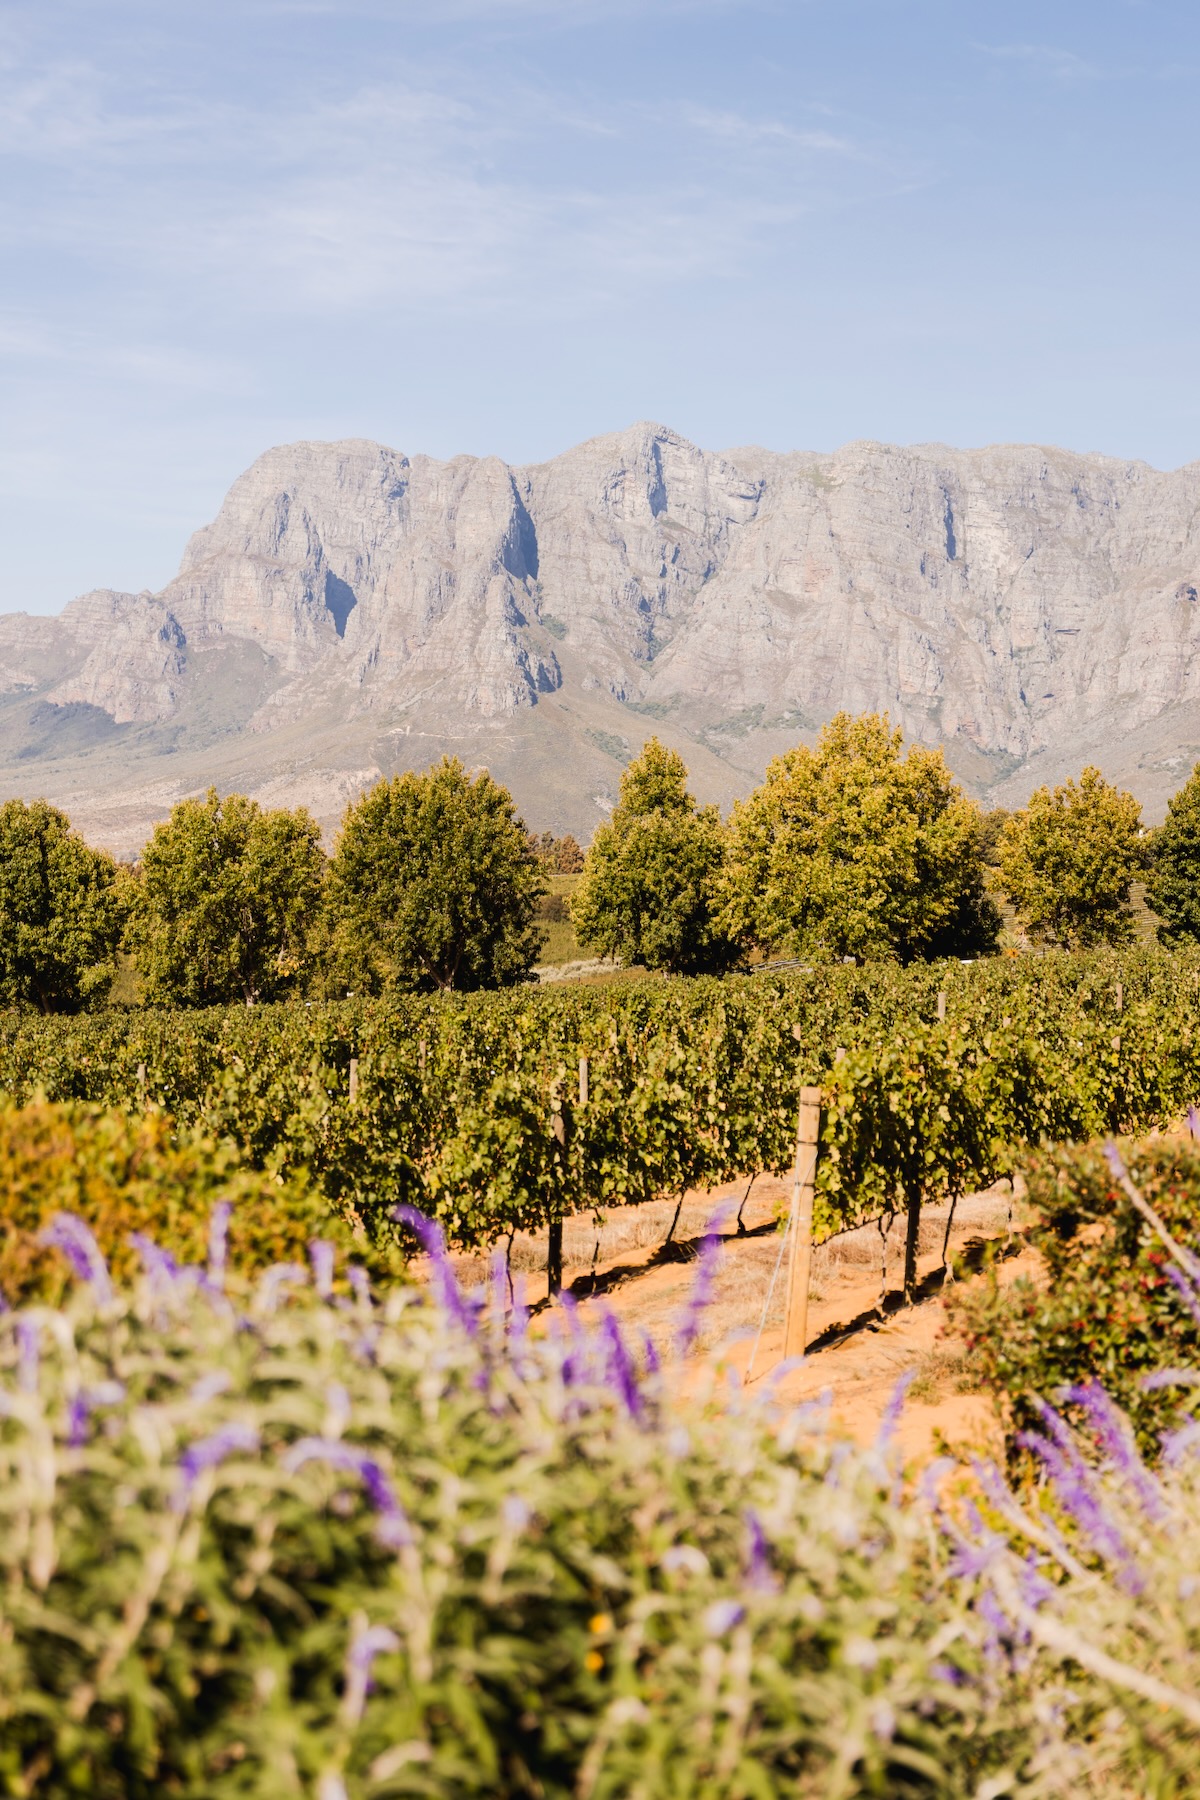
x=226, y=901
x=557, y=855
x=1068, y=859
x=991, y=830
x=853, y=849
x=59, y=912
x=434, y=884
x=1173, y=888
x=651, y=879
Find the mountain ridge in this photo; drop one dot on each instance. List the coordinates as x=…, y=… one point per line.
x=352, y=610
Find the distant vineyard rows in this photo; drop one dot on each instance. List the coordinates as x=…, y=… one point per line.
x=471, y=1106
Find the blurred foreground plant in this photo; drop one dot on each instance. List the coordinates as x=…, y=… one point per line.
x=299, y=1540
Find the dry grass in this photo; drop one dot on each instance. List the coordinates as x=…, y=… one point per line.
x=626, y=1231
x=941, y=1371
x=744, y=1299
x=742, y=1283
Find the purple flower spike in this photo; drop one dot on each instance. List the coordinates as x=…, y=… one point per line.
x=1178, y=1446
x=68, y=1233
x=360, y=1283
x=433, y=1241
x=518, y=1321
x=1117, y=1441
x=374, y=1641
x=722, y=1616
x=970, y=1560
x=758, y=1571
x=893, y=1410
x=1165, y=1378
x=209, y=1453
x=701, y=1294
x=322, y=1255
x=275, y=1277
x=218, y=1239
x=84, y=1403
x=1115, y=1161
x=497, y=1281
x=28, y=1354
x=619, y=1373
x=392, y=1527
x=1189, y=1293
x=1073, y=1484
x=160, y=1266
x=77, y=1420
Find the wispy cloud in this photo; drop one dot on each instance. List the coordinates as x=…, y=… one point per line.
x=501, y=12
x=431, y=189
x=736, y=128
x=1046, y=60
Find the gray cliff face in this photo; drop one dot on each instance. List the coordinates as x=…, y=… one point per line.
x=352, y=611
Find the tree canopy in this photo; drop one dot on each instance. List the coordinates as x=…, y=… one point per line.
x=434, y=884
x=1068, y=860
x=226, y=902
x=59, y=912
x=651, y=880
x=557, y=855
x=855, y=849
x=1173, y=888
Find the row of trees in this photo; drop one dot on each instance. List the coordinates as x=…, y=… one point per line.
x=855, y=848
x=851, y=849
x=434, y=883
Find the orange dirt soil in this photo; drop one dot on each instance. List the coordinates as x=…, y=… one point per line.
x=855, y=1356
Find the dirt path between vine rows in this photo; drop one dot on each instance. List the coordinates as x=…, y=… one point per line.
x=856, y=1354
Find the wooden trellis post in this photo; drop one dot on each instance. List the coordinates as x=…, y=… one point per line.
x=353, y=1080
x=912, y=1242
x=808, y=1132
x=554, y=1250
x=942, y=1007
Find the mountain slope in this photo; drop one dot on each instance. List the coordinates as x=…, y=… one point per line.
x=352, y=611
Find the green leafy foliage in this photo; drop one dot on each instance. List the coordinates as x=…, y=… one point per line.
x=650, y=888
x=1069, y=858
x=369, y=1548
x=1107, y=1307
x=852, y=849
x=224, y=906
x=690, y=1081
x=125, y=1173
x=433, y=885
x=365, y=1551
x=1173, y=888
x=557, y=855
x=60, y=916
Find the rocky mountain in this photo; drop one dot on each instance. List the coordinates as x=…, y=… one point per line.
x=352, y=611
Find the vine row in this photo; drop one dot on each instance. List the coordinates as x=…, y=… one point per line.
x=472, y=1107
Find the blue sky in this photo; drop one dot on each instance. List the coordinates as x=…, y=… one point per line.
x=507, y=225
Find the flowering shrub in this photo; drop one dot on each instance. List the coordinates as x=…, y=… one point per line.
x=289, y=1540
x=336, y=1545
x=130, y=1176
x=1090, y=1597
x=1109, y=1306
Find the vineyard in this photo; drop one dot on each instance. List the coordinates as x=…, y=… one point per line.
x=500, y=1112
